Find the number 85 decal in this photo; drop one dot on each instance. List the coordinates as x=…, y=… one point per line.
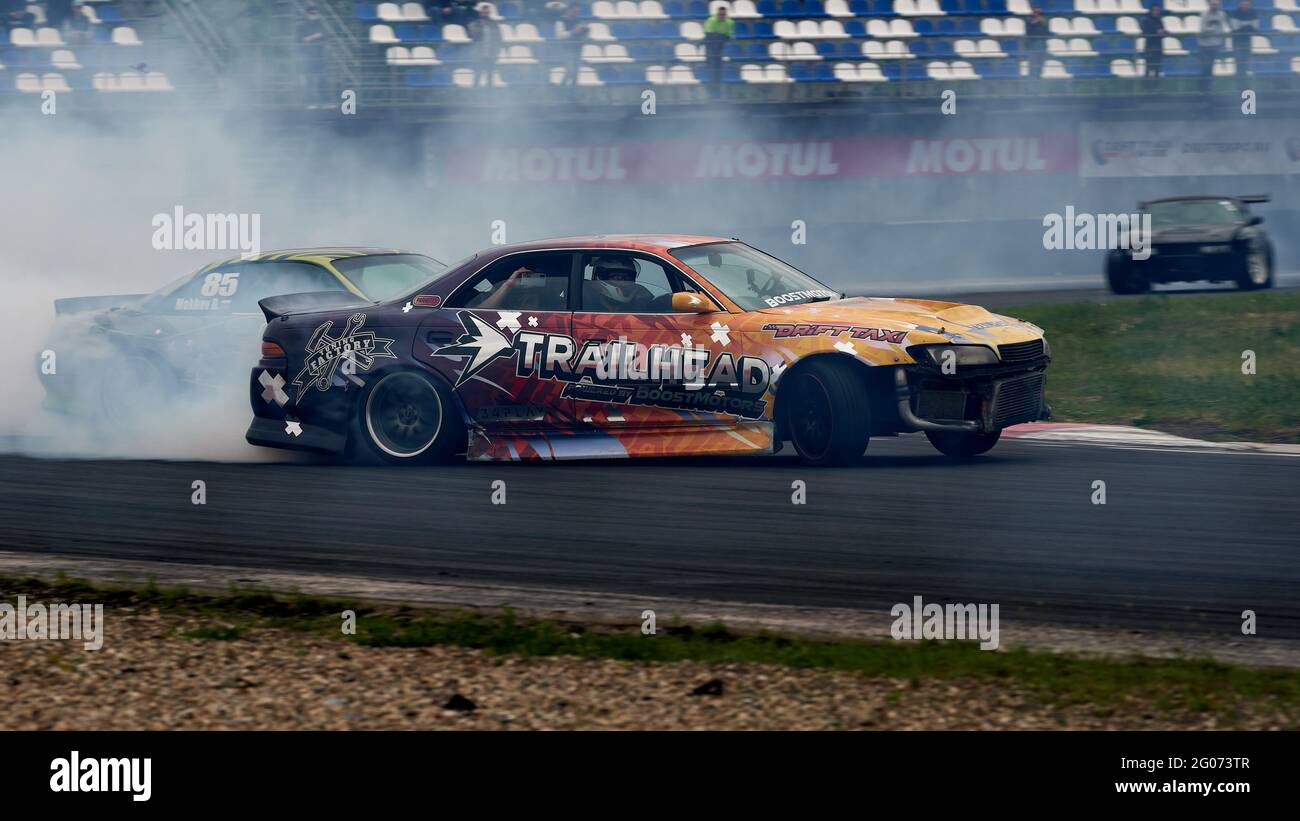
x=220, y=284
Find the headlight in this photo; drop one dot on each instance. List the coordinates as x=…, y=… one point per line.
x=963, y=356
x=1215, y=249
x=1047, y=348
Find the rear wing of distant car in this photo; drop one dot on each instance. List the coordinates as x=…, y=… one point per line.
x=82, y=304
x=1253, y=198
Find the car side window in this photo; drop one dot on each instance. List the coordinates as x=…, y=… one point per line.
x=520, y=282
x=614, y=282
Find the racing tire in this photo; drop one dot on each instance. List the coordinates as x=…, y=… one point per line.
x=405, y=417
x=1124, y=279
x=826, y=414
x=962, y=445
x=1256, y=271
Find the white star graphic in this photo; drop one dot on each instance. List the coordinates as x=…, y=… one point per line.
x=509, y=320
x=406, y=309
x=686, y=340
x=293, y=427
x=482, y=343
x=720, y=333
x=847, y=347
x=532, y=322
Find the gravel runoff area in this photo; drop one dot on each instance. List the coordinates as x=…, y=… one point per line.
x=152, y=675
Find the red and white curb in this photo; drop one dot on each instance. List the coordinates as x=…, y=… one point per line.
x=1121, y=436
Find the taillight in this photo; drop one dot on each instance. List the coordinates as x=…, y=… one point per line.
x=272, y=350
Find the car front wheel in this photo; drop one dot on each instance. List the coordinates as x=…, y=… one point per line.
x=1256, y=271
x=1123, y=278
x=962, y=445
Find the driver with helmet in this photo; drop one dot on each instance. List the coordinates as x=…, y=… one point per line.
x=613, y=287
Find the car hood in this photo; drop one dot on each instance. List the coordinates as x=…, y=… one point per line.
x=1194, y=233
x=926, y=321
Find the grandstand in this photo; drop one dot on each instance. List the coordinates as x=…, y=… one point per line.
x=783, y=50
x=832, y=42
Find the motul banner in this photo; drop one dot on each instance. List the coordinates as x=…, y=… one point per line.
x=1189, y=149
x=676, y=160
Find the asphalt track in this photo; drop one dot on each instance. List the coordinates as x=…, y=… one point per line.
x=1185, y=541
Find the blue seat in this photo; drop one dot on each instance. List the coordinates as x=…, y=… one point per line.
x=698, y=8
x=855, y=28
x=767, y=8
x=365, y=12
x=407, y=32
x=425, y=77
x=509, y=11
x=859, y=8
x=892, y=69
x=923, y=27
x=764, y=30
x=946, y=27
x=814, y=8
x=823, y=73
x=109, y=14
x=799, y=72
x=431, y=33
x=968, y=26
x=675, y=10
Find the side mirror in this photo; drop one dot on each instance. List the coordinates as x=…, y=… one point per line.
x=1254, y=220
x=693, y=303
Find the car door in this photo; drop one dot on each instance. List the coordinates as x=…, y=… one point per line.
x=667, y=363
x=490, y=339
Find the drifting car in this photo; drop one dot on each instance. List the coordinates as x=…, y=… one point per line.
x=121, y=353
x=636, y=345
x=1202, y=238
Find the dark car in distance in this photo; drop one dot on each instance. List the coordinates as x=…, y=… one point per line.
x=1197, y=239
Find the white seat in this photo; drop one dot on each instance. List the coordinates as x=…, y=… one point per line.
x=692, y=53
x=929, y=8
x=803, y=51
x=599, y=32
x=1129, y=26
x=627, y=10
x=51, y=37
x=745, y=10
x=1283, y=22
x=652, y=10
x=414, y=12
x=397, y=55
x=1225, y=67
x=22, y=37
x=63, y=58
x=104, y=81
x=1084, y=26
x=424, y=56
x=873, y=48
x=1192, y=25
x=962, y=70
x=991, y=26
x=780, y=50
x=901, y=28
x=1059, y=25
x=1259, y=44
x=655, y=75
x=897, y=48
x=750, y=73
x=1055, y=69
x=604, y=9
x=878, y=28
x=27, y=83
x=937, y=70
x=157, y=81
x=1108, y=7
x=455, y=33
x=1014, y=27
x=775, y=73
x=906, y=8
x=389, y=12
x=587, y=76
x=1085, y=6
x=965, y=48
x=130, y=81
x=834, y=30
x=1172, y=46
x=809, y=29
x=785, y=29
x=1120, y=67
x=383, y=33
x=1131, y=7
x=1019, y=7
x=990, y=48
x=839, y=8
x=692, y=30
x=682, y=75
x=125, y=36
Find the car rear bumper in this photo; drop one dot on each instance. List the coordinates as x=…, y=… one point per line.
x=276, y=433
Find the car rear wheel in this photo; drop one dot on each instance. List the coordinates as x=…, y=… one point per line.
x=1123, y=278
x=1256, y=271
x=406, y=417
x=962, y=445
x=826, y=413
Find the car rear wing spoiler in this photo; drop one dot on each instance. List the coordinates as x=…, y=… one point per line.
x=274, y=307
x=1255, y=198
x=82, y=304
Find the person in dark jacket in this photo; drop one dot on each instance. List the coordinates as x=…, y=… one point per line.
x=1036, y=42
x=1153, y=32
x=1245, y=24
x=486, y=34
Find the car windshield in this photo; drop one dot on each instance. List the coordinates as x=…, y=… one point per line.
x=1193, y=212
x=750, y=278
x=384, y=276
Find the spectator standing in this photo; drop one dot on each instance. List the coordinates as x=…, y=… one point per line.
x=718, y=30
x=1153, y=32
x=486, y=34
x=1036, y=41
x=57, y=13
x=572, y=34
x=1214, y=30
x=1245, y=24
x=14, y=14
x=80, y=29
x=311, y=44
